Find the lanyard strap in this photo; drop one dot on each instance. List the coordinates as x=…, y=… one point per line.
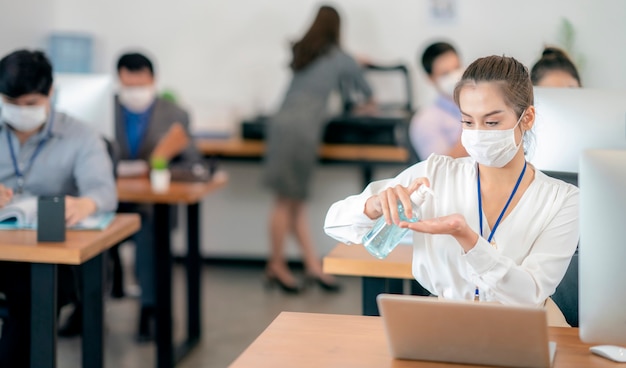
x=480, y=202
x=19, y=173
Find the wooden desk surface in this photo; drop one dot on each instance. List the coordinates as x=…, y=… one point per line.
x=236, y=147
x=78, y=247
x=344, y=341
x=139, y=190
x=354, y=260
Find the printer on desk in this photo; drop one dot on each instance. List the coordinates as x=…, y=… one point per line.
x=345, y=129
x=388, y=127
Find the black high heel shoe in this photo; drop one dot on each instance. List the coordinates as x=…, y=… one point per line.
x=272, y=280
x=331, y=287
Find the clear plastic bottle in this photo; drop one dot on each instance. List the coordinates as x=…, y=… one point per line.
x=383, y=238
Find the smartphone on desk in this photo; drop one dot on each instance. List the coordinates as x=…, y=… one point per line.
x=51, y=219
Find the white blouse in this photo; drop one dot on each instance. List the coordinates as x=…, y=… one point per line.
x=534, y=243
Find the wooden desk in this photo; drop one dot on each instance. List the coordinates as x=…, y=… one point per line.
x=190, y=194
x=327, y=340
x=378, y=276
x=84, y=248
x=364, y=155
x=236, y=147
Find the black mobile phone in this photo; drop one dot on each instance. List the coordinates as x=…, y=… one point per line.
x=51, y=219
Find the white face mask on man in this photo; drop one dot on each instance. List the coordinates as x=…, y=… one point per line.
x=446, y=83
x=137, y=99
x=24, y=118
x=493, y=148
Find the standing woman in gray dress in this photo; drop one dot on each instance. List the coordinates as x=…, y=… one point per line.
x=319, y=66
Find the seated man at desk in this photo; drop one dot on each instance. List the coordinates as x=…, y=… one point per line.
x=147, y=127
x=437, y=128
x=43, y=152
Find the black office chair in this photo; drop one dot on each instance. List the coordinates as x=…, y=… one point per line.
x=566, y=294
x=117, y=273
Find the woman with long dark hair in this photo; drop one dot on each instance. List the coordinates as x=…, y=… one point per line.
x=319, y=66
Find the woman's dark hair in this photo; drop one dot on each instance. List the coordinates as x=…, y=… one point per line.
x=510, y=76
x=432, y=52
x=553, y=58
x=318, y=40
x=23, y=72
x=134, y=62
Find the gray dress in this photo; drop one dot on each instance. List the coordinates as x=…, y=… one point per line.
x=294, y=132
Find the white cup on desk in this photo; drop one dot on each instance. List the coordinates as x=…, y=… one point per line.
x=160, y=180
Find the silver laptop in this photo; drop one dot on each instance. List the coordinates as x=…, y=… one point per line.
x=426, y=328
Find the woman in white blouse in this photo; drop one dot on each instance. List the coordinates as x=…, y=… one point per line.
x=496, y=228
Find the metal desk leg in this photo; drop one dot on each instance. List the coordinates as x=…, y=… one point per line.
x=372, y=286
x=366, y=174
x=395, y=286
x=43, y=321
x=93, y=312
x=193, y=264
x=194, y=320
x=163, y=271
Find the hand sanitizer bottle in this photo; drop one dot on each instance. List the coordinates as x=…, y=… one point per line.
x=383, y=238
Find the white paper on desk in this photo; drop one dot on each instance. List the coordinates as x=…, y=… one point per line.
x=127, y=168
x=98, y=221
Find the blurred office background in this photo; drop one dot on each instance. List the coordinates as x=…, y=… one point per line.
x=228, y=60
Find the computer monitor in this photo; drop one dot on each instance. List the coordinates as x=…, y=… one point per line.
x=602, y=249
x=570, y=120
x=87, y=97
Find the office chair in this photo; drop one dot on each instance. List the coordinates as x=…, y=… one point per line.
x=566, y=294
x=117, y=273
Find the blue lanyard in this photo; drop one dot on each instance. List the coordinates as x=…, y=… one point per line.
x=18, y=173
x=480, y=203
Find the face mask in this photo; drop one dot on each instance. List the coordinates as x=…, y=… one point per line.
x=24, y=118
x=494, y=148
x=447, y=82
x=137, y=99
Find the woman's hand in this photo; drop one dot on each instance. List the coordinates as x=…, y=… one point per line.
x=6, y=194
x=386, y=202
x=454, y=225
x=77, y=209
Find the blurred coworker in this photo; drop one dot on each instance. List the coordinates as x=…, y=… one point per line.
x=146, y=127
x=555, y=69
x=43, y=152
x=437, y=128
x=319, y=65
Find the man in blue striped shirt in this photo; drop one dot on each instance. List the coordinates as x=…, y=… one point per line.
x=43, y=152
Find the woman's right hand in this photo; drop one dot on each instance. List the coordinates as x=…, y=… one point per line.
x=6, y=194
x=385, y=203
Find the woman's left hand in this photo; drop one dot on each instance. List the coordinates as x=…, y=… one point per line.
x=454, y=225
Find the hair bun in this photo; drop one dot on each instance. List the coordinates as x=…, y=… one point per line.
x=553, y=52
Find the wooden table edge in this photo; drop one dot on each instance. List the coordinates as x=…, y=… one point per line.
x=72, y=256
x=339, y=261
x=186, y=197
x=237, y=147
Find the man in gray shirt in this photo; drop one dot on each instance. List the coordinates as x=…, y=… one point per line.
x=42, y=152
